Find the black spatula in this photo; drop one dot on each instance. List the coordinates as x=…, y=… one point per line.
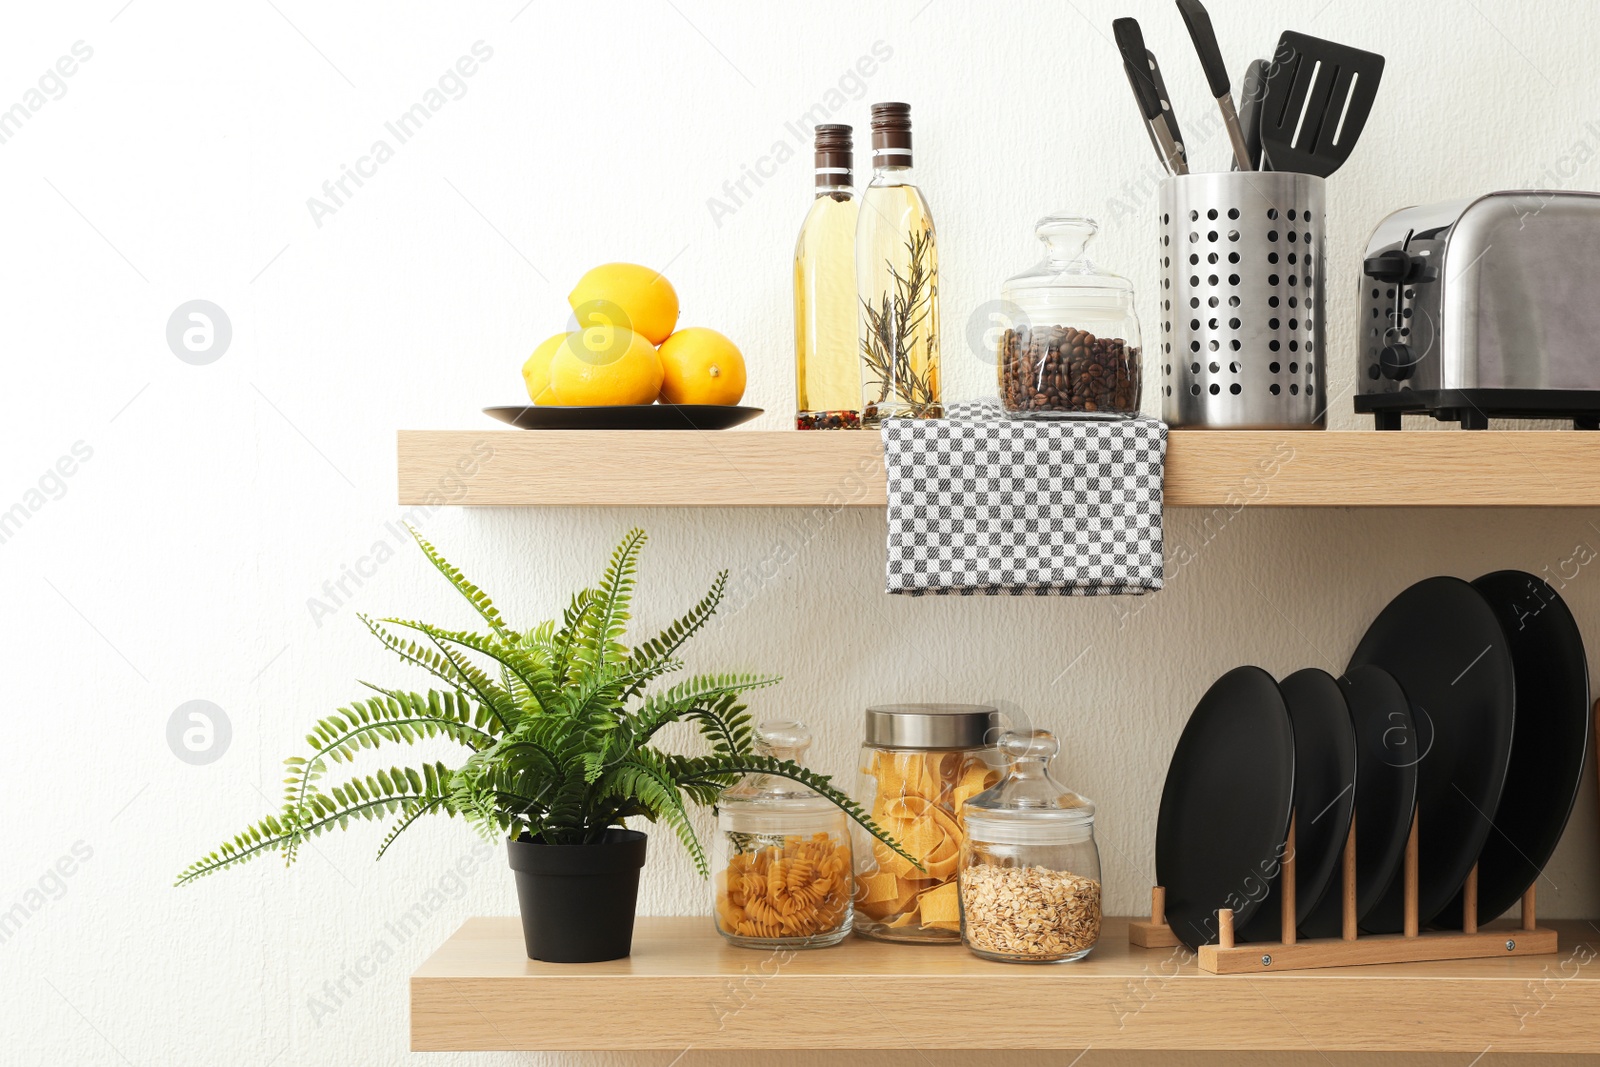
x=1318, y=97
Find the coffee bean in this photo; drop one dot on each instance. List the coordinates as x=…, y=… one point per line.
x=1055, y=369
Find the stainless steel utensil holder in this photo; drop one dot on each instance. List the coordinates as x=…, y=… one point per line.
x=1242, y=280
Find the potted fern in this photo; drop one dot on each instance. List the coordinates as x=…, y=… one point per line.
x=559, y=732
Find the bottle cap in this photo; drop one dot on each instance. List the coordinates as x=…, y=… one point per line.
x=835, y=156
x=891, y=135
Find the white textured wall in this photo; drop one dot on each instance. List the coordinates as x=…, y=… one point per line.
x=176, y=562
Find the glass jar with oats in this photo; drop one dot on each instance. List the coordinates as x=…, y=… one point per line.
x=919, y=763
x=782, y=856
x=1030, y=871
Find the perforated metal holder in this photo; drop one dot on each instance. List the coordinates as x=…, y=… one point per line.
x=1242, y=301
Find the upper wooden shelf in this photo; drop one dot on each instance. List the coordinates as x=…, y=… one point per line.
x=683, y=987
x=788, y=468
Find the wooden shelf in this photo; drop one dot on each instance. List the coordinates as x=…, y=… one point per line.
x=683, y=987
x=1205, y=468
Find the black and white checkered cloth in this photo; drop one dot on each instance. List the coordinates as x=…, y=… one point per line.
x=983, y=504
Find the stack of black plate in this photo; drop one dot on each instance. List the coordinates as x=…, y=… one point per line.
x=1465, y=706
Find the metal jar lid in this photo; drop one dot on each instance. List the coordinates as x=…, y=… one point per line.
x=936, y=726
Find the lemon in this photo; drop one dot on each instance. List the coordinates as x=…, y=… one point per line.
x=605, y=365
x=626, y=295
x=536, y=372
x=700, y=366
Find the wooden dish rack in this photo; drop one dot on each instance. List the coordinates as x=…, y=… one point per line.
x=1352, y=948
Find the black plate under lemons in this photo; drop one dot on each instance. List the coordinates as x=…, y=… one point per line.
x=1386, y=794
x=625, y=416
x=1324, y=796
x=1225, y=806
x=1446, y=648
x=1549, y=743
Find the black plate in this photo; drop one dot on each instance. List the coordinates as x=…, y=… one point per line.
x=625, y=417
x=1324, y=796
x=1548, y=746
x=1386, y=793
x=1225, y=807
x=1444, y=645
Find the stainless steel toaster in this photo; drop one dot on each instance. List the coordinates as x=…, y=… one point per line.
x=1479, y=308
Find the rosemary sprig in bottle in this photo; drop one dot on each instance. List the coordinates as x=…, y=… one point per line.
x=893, y=324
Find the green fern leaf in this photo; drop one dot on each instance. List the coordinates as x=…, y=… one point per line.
x=646, y=778
x=475, y=596
x=599, y=635
x=362, y=799
x=660, y=648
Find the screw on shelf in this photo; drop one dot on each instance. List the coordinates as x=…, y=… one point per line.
x=1511, y=946
x=1266, y=961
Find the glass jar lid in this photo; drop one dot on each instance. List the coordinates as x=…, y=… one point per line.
x=769, y=796
x=1028, y=806
x=934, y=726
x=1065, y=268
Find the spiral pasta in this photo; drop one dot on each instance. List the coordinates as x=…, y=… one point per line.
x=799, y=889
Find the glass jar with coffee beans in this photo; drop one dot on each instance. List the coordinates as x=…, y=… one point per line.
x=1071, y=345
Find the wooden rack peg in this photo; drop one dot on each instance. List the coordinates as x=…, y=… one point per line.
x=1348, y=890
x=1286, y=886
x=1411, y=879
x=1154, y=933
x=1469, y=902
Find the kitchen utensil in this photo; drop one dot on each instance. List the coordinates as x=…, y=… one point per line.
x=1138, y=62
x=1198, y=20
x=1241, y=301
x=1168, y=116
x=624, y=416
x=1548, y=745
x=1319, y=95
x=1149, y=129
x=1251, y=93
x=1443, y=643
x=1385, y=793
x=1324, y=796
x=1226, y=804
x=1513, y=337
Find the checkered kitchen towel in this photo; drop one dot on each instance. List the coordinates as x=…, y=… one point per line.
x=982, y=504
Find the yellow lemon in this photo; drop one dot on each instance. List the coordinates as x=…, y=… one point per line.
x=700, y=366
x=627, y=295
x=605, y=365
x=536, y=372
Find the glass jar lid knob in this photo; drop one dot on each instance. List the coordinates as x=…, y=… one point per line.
x=1065, y=237
x=1031, y=745
x=785, y=739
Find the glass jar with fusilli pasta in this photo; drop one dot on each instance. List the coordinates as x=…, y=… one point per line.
x=782, y=856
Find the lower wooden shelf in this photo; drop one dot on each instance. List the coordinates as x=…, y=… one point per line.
x=684, y=988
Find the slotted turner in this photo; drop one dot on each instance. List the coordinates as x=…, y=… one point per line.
x=1318, y=97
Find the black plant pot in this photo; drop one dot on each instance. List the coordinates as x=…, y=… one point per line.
x=577, y=901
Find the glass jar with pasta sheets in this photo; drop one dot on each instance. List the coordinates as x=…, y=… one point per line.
x=1030, y=871
x=919, y=763
x=782, y=856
